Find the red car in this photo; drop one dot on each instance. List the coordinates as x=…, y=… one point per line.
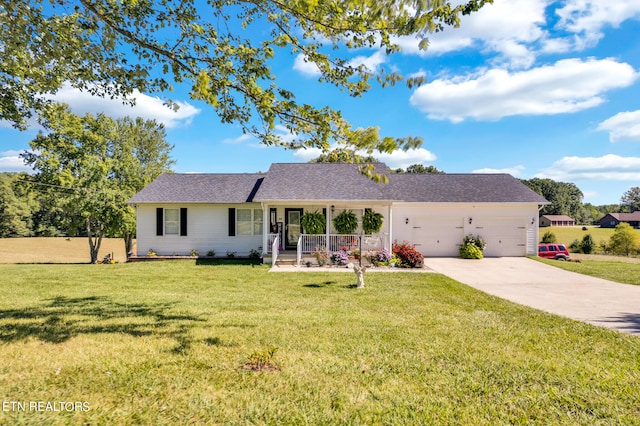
x=553, y=251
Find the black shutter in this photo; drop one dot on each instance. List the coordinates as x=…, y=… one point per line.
x=159, y=221
x=183, y=222
x=232, y=222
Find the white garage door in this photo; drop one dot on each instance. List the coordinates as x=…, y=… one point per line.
x=438, y=236
x=505, y=236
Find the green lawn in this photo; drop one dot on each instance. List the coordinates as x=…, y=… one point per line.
x=567, y=234
x=621, y=272
x=166, y=343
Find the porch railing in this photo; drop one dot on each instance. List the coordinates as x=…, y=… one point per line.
x=274, y=250
x=335, y=242
x=270, y=239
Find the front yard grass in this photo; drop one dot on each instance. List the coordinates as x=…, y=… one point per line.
x=618, y=271
x=167, y=342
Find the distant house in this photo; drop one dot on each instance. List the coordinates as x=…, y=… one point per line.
x=241, y=213
x=556, y=220
x=614, y=219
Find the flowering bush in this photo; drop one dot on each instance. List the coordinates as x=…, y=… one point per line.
x=380, y=257
x=340, y=257
x=408, y=255
x=322, y=255
x=472, y=247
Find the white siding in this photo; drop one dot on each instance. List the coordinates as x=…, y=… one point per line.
x=207, y=229
x=437, y=229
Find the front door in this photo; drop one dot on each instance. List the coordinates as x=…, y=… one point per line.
x=292, y=228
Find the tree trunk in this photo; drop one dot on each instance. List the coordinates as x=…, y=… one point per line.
x=128, y=242
x=94, y=242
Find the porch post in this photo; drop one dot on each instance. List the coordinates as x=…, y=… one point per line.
x=390, y=233
x=266, y=229
x=327, y=227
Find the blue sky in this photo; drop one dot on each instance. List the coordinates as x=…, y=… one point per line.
x=534, y=88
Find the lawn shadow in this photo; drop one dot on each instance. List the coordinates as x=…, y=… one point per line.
x=62, y=318
x=627, y=322
x=320, y=285
x=226, y=262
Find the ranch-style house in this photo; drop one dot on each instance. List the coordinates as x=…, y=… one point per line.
x=261, y=212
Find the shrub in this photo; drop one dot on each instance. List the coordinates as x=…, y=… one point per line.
x=407, y=254
x=340, y=257
x=194, y=253
x=575, y=246
x=470, y=251
x=151, y=252
x=587, y=246
x=624, y=240
x=322, y=255
x=254, y=254
x=548, y=238
x=211, y=253
x=231, y=254
x=472, y=247
x=380, y=257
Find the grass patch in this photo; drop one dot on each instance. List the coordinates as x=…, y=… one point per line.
x=57, y=250
x=158, y=343
x=618, y=271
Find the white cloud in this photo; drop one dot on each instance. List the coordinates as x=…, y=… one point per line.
x=305, y=67
x=146, y=107
x=11, y=162
x=394, y=160
x=607, y=167
x=251, y=140
x=506, y=27
x=371, y=63
x=567, y=86
x=240, y=139
x=587, y=18
x=622, y=126
x=513, y=171
x=309, y=69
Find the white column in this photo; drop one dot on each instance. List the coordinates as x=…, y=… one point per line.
x=266, y=229
x=390, y=234
x=328, y=226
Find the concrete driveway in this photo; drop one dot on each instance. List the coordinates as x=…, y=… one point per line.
x=527, y=282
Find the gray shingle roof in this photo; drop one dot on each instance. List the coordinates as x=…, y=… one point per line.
x=334, y=182
x=200, y=188
x=322, y=182
x=462, y=188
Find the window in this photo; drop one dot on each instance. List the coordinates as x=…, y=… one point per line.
x=249, y=221
x=171, y=221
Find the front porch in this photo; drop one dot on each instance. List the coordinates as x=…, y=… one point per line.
x=308, y=244
x=285, y=237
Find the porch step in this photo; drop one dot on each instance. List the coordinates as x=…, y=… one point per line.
x=287, y=259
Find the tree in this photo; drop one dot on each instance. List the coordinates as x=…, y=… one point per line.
x=565, y=198
x=625, y=240
x=630, y=200
x=141, y=154
x=222, y=49
x=96, y=164
x=15, y=208
x=343, y=155
x=419, y=169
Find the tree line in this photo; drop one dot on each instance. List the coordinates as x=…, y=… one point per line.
x=86, y=168
x=566, y=199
